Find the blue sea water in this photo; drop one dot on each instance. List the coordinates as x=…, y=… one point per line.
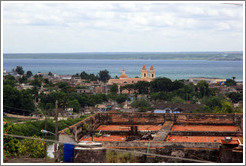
x=173, y=69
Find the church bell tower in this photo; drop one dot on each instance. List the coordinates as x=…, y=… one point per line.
x=144, y=73
x=152, y=72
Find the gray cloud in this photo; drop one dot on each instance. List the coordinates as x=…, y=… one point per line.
x=127, y=21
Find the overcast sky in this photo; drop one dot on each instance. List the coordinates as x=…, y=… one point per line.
x=121, y=27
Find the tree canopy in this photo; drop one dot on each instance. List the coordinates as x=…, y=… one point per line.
x=19, y=70
x=104, y=75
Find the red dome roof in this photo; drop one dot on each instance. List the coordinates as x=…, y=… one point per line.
x=123, y=75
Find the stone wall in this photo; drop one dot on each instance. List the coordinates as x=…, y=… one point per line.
x=193, y=150
x=200, y=151
x=183, y=118
x=89, y=124
x=81, y=128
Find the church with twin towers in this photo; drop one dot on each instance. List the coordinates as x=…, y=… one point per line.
x=124, y=79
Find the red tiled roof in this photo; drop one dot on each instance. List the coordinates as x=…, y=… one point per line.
x=105, y=138
x=128, y=127
x=204, y=128
x=144, y=68
x=211, y=139
x=234, y=142
x=151, y=67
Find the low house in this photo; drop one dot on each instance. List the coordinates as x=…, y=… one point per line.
x=103, y=107
x=24, y=86
x=84, y=91
x=176, y=108
x=195, y=80
x=69, y=111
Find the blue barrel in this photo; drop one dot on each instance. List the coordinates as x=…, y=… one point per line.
x=68, y=152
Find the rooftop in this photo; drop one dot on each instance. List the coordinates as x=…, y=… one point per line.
x=128, y=127
x=105, y=138
x=204, y=128
x=210, y=139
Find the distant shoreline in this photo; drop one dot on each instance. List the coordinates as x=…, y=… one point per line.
x=125, y=59
x=211, y=56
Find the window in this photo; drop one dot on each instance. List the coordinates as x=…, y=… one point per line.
x=152, y=75
x=144, y=75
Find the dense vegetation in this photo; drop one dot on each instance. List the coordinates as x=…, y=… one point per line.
x=31, y=148
x=160, y=89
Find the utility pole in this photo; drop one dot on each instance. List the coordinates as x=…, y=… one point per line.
x=56, y=130
x=45, y=145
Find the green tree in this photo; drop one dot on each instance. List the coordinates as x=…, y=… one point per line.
x=84, y=75
x=9, y=80
x=63, y=86
x=142, y=87
x=97, y=99
x=32, y=148
x=76, y=75
x=37, y=82
x=212, y=102
x=74, y=104
x=19, y=70
x=142, y=105
x=28, y=74
x=235, y=97
x=130, y=87
x=23, y=79
x=178, y=99
x=50, y=74
x=230, y=82
x=161, y=84
x=114, y=89
x=161, y=96
x=204, y=109
x=203, y=88
x=121, y=98
x=177, y=84
x=19, y=102
x=92, y=77
x=104, y=75
x=226, y=107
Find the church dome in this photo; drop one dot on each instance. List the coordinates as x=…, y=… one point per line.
x=123, y=75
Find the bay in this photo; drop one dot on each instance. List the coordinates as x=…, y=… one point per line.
x=173, y=69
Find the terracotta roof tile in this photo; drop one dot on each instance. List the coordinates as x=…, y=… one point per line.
x=144, y=68
x=151, y=67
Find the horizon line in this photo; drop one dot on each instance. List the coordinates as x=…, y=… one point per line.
x=118, y=52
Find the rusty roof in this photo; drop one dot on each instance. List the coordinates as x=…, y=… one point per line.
x=211, y=139
x=128, y=127
x=205, y=128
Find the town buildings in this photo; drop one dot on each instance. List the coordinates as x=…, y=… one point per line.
x=125, y=80
x=195, y=80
